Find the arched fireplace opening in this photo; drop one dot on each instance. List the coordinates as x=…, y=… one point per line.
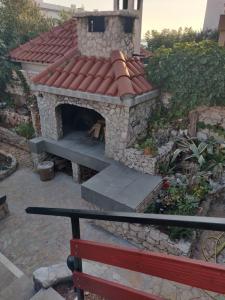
x=82, y=120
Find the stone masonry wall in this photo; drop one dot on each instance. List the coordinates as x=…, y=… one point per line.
x=11, y=138
x=212, y=115
x=139, y=119
x=101, y=44
x=122, y=125
x=12, y=118
x=135, y=159
x=146, y=237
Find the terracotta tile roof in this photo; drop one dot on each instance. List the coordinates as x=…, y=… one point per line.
x=114, y=76
x=49, y=46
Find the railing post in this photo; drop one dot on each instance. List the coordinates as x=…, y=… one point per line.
x=75, y=222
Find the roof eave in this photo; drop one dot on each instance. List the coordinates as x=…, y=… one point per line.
x=29, y=62
x=127, y=101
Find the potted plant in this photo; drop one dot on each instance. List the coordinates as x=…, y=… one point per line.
x=149, y=147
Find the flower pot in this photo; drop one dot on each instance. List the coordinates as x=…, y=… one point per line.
x=147, y=151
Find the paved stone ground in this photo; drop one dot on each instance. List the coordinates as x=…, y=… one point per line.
x=33, y=241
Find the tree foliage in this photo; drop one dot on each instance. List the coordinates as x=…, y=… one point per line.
x=20, y=20
x=167, y=38
x=192, y=72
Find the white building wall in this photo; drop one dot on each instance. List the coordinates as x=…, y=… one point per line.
x=214, y=9
x=51, y=10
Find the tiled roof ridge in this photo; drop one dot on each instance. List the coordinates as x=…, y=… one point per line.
x=68, y=55
x=122, y=75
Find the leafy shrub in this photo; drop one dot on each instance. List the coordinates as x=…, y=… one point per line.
x=179, y=198
x=192, y=72
x=193, y=150
x=26, y=130
x=27, y=23
x=167, y=38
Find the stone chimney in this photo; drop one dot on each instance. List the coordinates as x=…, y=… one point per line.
x=137, y=7
x=222, y=31
x=100, y=33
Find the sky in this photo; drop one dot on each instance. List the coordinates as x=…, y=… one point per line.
x=158, y=14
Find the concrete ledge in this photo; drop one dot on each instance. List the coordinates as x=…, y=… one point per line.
x=119, y=188
x=37, y=145
x=116, y=187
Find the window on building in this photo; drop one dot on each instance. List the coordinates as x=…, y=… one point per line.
x=96, y=24
x=125, y=4
x=128, y=24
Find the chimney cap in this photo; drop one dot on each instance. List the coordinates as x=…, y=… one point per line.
x=120, y=13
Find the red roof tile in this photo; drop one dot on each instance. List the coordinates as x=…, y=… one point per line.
x=49, y=46
x=115, y=76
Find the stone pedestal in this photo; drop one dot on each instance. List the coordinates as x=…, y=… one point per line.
x=76, y=172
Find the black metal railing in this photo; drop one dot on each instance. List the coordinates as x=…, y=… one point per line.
x=75, y=264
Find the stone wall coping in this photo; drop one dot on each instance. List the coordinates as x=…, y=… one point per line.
x=119, y=13
x=11, y=169
x=125, y=101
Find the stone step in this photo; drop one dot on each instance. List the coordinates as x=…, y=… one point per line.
x=19, y=289
x=49, y=294
x=6, y=277
x=119, y=188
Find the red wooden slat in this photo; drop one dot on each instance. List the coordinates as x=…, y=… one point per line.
x=194, y=273
x=108, y=289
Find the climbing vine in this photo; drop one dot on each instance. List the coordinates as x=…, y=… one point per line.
x=192, y=72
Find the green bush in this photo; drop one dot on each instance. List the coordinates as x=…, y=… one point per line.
x=26, y=130
x=192, y=72
x=167, y=37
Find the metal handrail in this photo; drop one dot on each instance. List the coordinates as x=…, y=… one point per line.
x=75, y=263
x=205, y=223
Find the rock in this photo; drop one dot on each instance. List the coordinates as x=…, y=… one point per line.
x=184, y=246
x=202, y=136
x=23, y=111
x=46, y=277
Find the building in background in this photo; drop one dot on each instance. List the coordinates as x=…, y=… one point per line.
x=53, y=10
x=214, y=9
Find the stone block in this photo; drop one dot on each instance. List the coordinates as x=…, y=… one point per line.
x=46, y=277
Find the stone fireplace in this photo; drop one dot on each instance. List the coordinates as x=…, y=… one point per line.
x=75, y=119
x=124, y=121
x=99, y=82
